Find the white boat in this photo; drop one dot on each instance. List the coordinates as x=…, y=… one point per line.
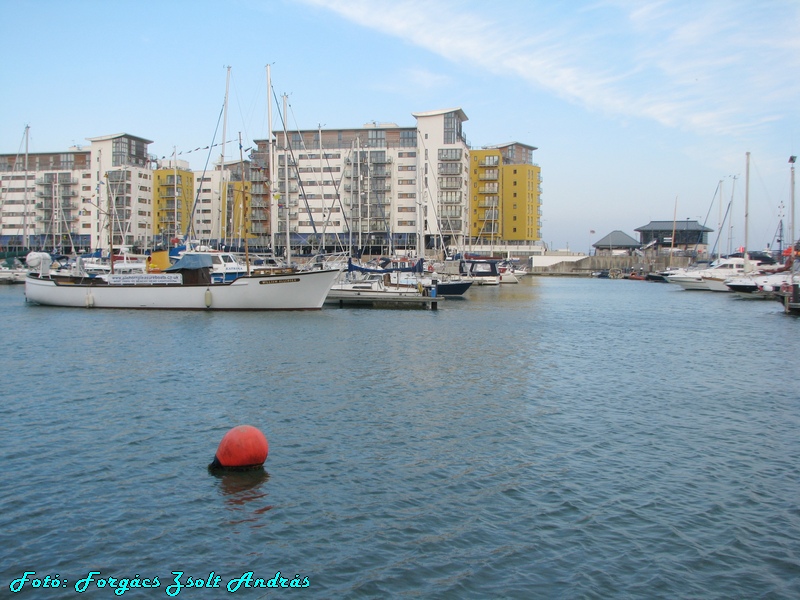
x=187, y=285
x=376, y=290
x=699, y=279
x=509, y=272
x=483, y=271
x=758, y=287
x=404, y=274
x=12, y=271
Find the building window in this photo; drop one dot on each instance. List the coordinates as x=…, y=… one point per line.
x=452, y=128
x=408, y=139
x=376, y=138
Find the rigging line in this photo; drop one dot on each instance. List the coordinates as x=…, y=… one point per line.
x=239, y=106
x=719, y=236
x=202, y=177
x=299, y=181
x=205, y=148
x=337, y=194
x=705, y=221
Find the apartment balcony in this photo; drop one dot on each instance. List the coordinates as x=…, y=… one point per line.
x=452, y=226
x=445, y=185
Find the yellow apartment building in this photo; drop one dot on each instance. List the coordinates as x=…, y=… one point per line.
x=505, y=198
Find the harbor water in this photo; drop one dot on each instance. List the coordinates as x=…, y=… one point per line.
x=559, y=438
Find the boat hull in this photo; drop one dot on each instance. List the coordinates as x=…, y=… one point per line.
x=293, y=291
x=453, y=288
x=688, y=282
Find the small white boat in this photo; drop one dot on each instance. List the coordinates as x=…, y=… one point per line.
x=758, y=287
x=702, y=279
x=376, y=290
x=187, y=285
x=483, y=272
x=13, y=271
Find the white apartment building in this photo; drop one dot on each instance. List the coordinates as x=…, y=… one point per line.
x=63, y=201
x=380, y=188
x=41, y=198
x=207, y=215
x=122, y=202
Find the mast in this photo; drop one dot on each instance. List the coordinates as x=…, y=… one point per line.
x=273, y=209
x=358, y=194
x=674, y=225
x=25, y=239
x=746, y=207
x=792, y=160
x=175, y=188
x=245, y=209
x=286, y=183
x=222, y=184
x=719, y=222
x=111, y=212
x=322, y=192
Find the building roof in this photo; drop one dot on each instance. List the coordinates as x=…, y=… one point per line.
x=617, y=239
x=685, y=225
x=499, y=146
x=435, y=113
x=104, y=138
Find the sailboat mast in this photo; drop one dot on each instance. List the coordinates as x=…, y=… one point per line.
x=175, y=187
x=25, y=239
x=244, y=209
x=111, y=212
x=792, y=159
x=222, y=186
x=719, y=221
x=746, y=207
x=322, y=192
x=286, y=183
x=674, y=225
x=273, y=209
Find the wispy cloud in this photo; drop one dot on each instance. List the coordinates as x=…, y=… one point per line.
x=718, y=67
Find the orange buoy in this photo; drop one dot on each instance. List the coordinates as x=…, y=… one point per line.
x=243, y=447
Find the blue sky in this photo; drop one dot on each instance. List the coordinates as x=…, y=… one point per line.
x=636, y=106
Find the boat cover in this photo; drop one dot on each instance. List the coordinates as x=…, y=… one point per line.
x=191, y=262
x=417, y=268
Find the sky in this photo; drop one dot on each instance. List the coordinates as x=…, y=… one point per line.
x=641, y=110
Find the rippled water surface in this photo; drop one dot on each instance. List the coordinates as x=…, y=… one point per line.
x=561, y=438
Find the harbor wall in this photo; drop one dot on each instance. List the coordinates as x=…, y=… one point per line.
x=584, y=266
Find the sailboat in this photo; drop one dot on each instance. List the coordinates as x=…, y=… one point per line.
x=188, y=284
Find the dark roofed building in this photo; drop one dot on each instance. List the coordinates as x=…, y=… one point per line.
x=689, y=236
x=616, y=241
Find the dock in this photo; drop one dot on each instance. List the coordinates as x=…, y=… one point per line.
x=383, y=301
